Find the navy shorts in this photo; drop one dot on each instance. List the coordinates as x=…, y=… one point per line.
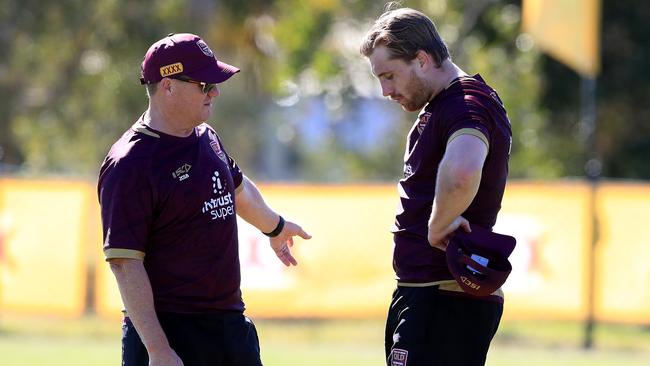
x=434, y=328
x=223, y=339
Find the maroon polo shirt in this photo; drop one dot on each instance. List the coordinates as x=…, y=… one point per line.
x=170, y=201
x=467, y=106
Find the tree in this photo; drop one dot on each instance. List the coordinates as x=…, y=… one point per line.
x=69, y=84
x=623, y=132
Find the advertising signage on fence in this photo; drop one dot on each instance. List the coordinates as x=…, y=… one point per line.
x=50, y=237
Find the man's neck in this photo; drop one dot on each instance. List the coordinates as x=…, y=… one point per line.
x=447, y=73
x=158, y=120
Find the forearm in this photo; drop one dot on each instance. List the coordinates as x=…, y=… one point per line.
x=457, y=182
x=252, y=208
x=135, y=289
x=455, y=191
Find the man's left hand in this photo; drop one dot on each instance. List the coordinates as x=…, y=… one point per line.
x=282, y=243
x=440, y=238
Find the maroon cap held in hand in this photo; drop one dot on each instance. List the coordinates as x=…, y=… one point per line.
x=184, y=54
x=467, y=254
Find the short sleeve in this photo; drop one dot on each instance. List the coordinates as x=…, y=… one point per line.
x=126, y=201
x=468, y=117
x=235, y=171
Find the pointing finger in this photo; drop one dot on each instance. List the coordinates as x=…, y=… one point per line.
x=303, y=234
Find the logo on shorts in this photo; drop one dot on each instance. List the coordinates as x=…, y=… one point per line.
x=398, y=357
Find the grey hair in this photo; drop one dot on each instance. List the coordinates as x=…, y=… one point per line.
x=151, y=89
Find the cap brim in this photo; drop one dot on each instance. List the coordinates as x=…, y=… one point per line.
x=487, y=242
x=481, y=282
x=214, y=75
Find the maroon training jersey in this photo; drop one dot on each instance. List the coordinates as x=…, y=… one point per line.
x=467, y=106
x=171, y=202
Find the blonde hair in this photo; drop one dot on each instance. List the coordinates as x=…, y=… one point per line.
x=404, y=32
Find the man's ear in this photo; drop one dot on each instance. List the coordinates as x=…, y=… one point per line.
x=166, y=85
x=422, y=58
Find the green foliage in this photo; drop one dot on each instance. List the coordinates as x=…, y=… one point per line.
x=76, y=82
x=69, y=83
x=623, y=91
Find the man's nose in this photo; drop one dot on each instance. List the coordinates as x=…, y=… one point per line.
x=386, y=89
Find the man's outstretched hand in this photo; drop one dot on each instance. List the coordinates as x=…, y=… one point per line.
x=282, y=243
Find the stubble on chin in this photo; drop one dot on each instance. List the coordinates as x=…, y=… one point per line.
x=420, y=97
x=414, y=106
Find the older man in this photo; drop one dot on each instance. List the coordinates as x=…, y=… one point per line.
x=169, y=195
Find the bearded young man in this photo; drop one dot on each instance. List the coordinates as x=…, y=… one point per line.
x=455, y=170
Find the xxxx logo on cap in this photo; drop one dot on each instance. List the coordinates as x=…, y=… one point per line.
x=172, y=69
x=183, y=54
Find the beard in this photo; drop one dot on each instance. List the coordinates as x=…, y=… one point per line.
x=419, y=94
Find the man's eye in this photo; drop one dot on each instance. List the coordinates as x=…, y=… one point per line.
x=388, y=77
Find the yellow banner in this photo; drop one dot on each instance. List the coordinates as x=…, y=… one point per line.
x=42, y=264
x=50, y=243
x=569, y=30
x=344, y=271
x=550, y=222
x=623, y=254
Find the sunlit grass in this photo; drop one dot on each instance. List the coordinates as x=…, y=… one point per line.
x=94, y=341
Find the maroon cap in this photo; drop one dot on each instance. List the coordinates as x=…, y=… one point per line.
x=184, y=54
x=466, y=258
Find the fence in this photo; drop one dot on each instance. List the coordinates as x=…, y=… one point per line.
x=51, y=260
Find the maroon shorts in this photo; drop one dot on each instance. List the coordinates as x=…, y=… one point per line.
x=427, y=327
x=223, y=339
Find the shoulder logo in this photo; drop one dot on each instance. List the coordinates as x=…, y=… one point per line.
x=204, y=48
x=182, y=173
x=172, y=69
x=408, y=170
x=423, y=120
x=496, y=98
x=216, y=147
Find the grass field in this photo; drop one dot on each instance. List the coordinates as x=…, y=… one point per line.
x=92, y=341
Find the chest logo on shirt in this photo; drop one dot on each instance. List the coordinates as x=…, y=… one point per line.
x=216, y=147
x=423, y=120
x=182, y=173
x=221, y=206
